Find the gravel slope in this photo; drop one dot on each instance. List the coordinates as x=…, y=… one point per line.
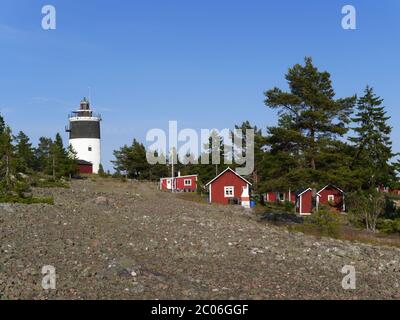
x=114, y=240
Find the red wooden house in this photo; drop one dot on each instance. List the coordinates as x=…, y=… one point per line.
x=85, y=167
x=228, y=185
x=180, y=183
x=273, y=196
x=332, y=196
x=304, y=203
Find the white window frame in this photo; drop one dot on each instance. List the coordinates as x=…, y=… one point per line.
x=331, y=198
x=187, y=182
x=230, y=190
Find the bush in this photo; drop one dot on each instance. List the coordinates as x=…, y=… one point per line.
x=279, y=207
x=367, y=206
x=389, y=226
x=25, y=200
x=49, y=183
x=326, y=222
x=289, y=206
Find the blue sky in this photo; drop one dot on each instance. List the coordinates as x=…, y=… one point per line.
x=203, y=63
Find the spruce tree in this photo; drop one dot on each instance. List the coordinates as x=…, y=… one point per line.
x=24, y=153
x=59, y=162
x=11, y=182
x=217, y=163
x=372, y=141
x=159, y=170
x=101, y=171
x=42, y=155
x=2, y=124
x=259, y=151
x=7, y=162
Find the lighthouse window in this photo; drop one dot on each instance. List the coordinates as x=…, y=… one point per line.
x=90, y=149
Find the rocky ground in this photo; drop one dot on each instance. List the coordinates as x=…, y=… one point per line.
x=115, y=240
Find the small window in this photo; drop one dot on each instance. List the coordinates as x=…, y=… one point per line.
x=229, y=192
x=89, y=148
x=187, y=182
x=331, y=198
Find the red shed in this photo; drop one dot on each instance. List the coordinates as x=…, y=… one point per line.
x=227, y=185
x=304, y=203
x=332, y=196
x=290, y=196
x=273, y=196
x=166, y=183
x=181, y=183
x=85, y=167
x=186, y=183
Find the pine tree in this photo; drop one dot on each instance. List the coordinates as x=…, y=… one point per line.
x=132, y=161
x=310, y=122
x=372, y=141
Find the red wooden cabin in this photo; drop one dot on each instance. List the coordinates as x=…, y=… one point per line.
x=304, y=204
x=181, y=183
x=273, y=196
x=227, y=185
x=332, y=196
x=85, y=167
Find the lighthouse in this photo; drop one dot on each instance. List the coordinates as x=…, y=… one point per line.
x=84, y=135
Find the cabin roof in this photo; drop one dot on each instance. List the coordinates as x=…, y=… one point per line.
x=301, y=191
x=330, y=185
x=84, y=162
x=226, y=170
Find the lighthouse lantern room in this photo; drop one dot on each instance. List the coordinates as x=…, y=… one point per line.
x=84, y=134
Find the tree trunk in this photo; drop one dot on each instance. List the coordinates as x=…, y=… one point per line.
x=313, y=166
x=366, y=221
x=312, y=162
x=54, y=168
x=7, y=171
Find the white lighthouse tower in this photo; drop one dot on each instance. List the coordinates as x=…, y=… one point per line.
x=84, y=134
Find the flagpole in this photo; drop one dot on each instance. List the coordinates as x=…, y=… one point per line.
x=172, y=169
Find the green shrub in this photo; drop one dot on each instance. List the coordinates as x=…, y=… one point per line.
x=389, y=226
x=26, y=200
x=49, y=183
x=289, y=206
x=326, y=222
